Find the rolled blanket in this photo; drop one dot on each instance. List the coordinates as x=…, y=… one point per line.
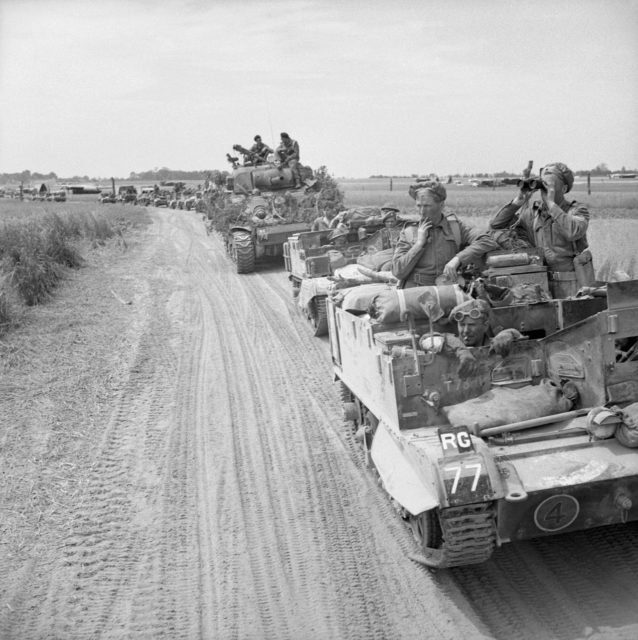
x=504, y=405
x=390, y=304
x=377, y=261
x=358, y=299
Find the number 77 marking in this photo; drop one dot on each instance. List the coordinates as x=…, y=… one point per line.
x=457, y=476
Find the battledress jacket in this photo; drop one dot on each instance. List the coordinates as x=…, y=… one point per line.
x=441, y=246
x=289, y=152
x=559, y=231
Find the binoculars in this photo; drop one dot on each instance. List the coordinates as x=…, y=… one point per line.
x=530, y=183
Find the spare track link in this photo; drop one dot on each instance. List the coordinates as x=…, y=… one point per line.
x=469, y=537
x=469, y=534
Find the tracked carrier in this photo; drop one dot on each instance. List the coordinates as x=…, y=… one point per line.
x=466, y=485
x=311, y=262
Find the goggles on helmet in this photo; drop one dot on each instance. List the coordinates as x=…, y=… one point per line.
x=474, y=313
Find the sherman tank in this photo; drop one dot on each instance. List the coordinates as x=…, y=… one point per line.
x=260, y=208
x=536, y=443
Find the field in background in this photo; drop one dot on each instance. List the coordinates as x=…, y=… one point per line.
x=613, y=230
x=613, y=234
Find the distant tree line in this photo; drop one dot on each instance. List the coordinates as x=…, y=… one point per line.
x=27, y=176
x=164, y=174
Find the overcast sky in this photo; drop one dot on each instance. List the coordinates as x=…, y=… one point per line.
x=395, y=87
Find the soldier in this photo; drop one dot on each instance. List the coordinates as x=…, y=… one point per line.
x=473, y=321
x=389, y=213
x=260, y=151
x=389, y=216
x=554, y=225
x=288, y=154
x=321, y=223
x=438, y=244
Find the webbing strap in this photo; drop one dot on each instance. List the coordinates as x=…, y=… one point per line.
x=403, y=310
x=459, y=294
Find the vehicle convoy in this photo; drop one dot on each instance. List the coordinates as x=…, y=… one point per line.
x=259, y=208
x=315, y=263
x=539, y=442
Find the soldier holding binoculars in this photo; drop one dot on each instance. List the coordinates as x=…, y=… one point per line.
x=554, y=225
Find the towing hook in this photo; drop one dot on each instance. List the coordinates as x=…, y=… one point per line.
x=432, y=398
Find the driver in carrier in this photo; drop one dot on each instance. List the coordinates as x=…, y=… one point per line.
x=473, y=321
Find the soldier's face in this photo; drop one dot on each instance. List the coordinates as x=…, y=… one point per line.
x=472, y=331
x=429, y=207
x=554, y=181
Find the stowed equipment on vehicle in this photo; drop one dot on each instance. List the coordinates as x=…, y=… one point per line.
x=535, y=443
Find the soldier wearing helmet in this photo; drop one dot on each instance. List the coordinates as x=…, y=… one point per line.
x=473, y=320
x=554, y=225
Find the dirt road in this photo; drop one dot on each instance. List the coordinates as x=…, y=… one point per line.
x=174, y=465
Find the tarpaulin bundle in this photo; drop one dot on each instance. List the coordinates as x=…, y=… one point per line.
x=504, y=405
x=391, y=304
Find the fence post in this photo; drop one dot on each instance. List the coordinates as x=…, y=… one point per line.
x=589, y=184
x=390, y=184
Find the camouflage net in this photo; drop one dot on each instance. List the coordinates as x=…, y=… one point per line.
x=223, y=209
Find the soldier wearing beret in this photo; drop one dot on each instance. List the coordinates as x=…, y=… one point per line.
x=554, y=225
x=437, y=244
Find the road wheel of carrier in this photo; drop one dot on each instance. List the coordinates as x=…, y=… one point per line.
x=319, y=316
x=455, y=536
x=243, y=252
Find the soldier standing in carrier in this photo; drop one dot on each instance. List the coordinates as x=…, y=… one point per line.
x=288, y=154
x=436, y=245
x=260, y=151
x=555, y=226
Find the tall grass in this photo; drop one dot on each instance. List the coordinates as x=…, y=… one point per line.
x=36, y=251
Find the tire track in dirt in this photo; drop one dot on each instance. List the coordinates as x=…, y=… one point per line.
x=522, y=594
x=118, y=555
x=348, y=553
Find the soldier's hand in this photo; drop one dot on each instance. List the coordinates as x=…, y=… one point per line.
x=468, y=365
x=501, y=343
x=423, y=231
x=449, y=271
x=523, y=194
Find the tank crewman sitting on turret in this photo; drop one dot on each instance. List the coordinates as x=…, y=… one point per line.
x=437, y=244
x=260, y=151
x=288, y=154
x=472, y=318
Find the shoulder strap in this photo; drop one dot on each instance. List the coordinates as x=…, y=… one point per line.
x=455, y=225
